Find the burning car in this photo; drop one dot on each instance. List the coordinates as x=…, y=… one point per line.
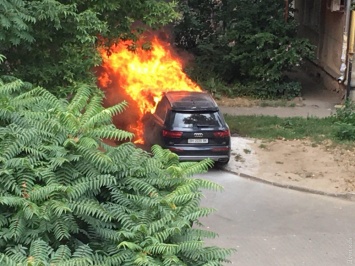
x=189, y=124
x=164, y=105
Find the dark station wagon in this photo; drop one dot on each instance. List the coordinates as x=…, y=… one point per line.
x=190, y=125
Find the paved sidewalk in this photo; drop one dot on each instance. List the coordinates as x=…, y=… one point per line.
x=316, y=102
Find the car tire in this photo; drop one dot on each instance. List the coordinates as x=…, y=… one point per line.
x=221, y=164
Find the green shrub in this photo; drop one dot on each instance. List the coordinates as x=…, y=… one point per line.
x=345, y=121
x=44, y=40
x=285, y=90
x=217, y=87
x=345, y=131
x=68, y=198
x=346, y=114
x=243, y=41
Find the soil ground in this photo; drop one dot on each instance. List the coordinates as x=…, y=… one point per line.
x=297, y=163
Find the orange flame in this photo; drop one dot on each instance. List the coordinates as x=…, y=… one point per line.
x=140, y=77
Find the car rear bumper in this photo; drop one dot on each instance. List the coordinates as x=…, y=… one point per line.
x=215, y=153
x=200, y=158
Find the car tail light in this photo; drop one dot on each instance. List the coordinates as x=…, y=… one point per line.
x=221, y=134
x=175, y=149
x=172, y=134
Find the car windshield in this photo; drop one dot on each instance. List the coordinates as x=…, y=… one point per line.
x=196, y=119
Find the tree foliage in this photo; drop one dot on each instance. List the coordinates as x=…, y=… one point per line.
x=250, y=42
x=68, y=198
x=53, y=43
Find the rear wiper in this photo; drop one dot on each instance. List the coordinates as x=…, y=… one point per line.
x=204, y=125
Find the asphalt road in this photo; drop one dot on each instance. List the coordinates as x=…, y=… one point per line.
x=269, y=225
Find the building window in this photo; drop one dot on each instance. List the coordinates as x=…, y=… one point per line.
x=336, y=5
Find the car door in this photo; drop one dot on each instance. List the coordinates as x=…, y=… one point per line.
x=155, y=122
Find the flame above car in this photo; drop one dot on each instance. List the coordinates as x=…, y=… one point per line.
x=140, y=76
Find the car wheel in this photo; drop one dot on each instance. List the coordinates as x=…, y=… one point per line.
x=221, y=164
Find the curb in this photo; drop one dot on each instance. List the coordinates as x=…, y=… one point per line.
x=344, y=196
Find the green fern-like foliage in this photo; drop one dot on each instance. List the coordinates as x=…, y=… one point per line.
x=68, y=198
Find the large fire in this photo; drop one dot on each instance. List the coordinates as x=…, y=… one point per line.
x=140, y=77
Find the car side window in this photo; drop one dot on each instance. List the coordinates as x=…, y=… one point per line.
x=162, y=109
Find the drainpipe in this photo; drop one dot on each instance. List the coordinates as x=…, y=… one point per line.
x=345, y=41
x=351, y=52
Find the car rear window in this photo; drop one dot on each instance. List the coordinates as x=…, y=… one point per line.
x=196, y=119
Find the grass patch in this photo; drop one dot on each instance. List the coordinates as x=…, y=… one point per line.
x=247, y=151
x=263, y=146
x=273, y=127
x=336, y=130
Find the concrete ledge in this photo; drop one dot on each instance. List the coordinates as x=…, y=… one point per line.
x=345, y=196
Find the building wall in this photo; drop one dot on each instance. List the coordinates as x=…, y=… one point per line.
x=324, y=29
